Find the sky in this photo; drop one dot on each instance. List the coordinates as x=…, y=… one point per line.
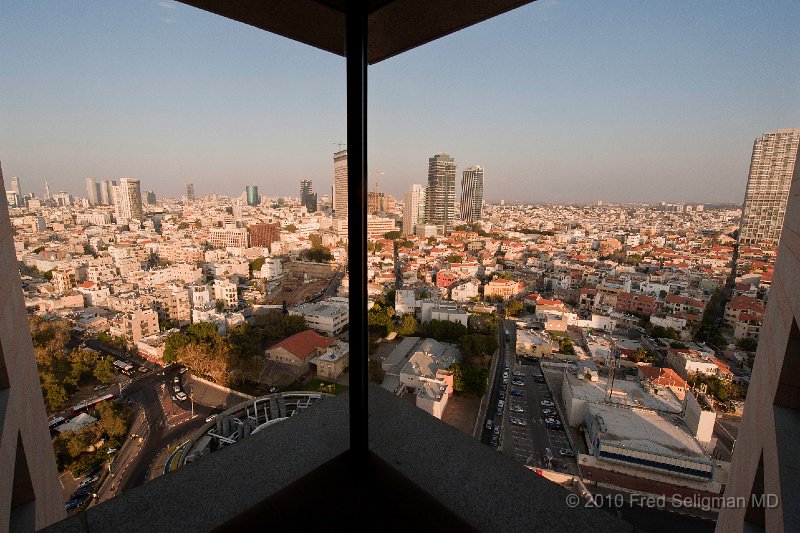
x=560, y=100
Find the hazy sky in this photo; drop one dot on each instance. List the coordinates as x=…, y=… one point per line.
x=560, y=100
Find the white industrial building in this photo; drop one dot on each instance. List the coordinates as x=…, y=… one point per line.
x=329, y=317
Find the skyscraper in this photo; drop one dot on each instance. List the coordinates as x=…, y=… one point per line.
x=15, y=186
x=252, y=195
x=106, y=191
x=472, y=194
x=308, y=197
x=190, y=192
x=46, y=190
x=340, y=184
x=128, y=200
x=441, y=193
x=93, y=192
x=414, y=208
x=771, y=169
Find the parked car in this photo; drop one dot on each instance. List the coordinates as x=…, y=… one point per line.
x=518, y=421
x=181, y=396
x=209, y=418
x=566, y=452
x=517, y=409
x=546, y=403
x=517, y=393
x=539, y=380
x=176, y=389
x=488, y=423
x=176, y=379
x=502, y=395
x=518, y=383
x=495, y=441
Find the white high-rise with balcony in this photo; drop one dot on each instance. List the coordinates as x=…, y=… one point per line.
x=128, y=200
x=413, y=208
x=771, y=169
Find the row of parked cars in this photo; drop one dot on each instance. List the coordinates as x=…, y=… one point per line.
x=83, y=493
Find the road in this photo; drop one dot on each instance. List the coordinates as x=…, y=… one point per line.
x=156, y=425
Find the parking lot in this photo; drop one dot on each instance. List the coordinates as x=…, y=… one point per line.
x=531, y=428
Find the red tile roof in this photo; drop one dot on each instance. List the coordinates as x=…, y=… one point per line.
x=303, y=345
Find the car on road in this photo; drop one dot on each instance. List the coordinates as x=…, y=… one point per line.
x=495, y=441
x=88, y=481
x=517, y=393
x=518, y=421
x=565, y=452
x=488, y=423
x=181, y=396
x=111, y=450
x=209, y=418
x=502, y=395
x=183, y=370
x=496, y=429
x=176, y=389
x=74, y=503
x=100, y=387
x=546, y=403
x=176, y=379
x=517, y=409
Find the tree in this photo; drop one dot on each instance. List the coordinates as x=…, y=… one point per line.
x=455, y=258
x=641, y=355
x=748, y=345
x=256, y=264
x=408, y=326
x=291, y=228
x=514, y=307
x=393, y=235
x=318, y=255
x=220, y=305
x=112, y=420
x=104, y=371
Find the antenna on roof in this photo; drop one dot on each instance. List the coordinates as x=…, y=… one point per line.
x=340, y=144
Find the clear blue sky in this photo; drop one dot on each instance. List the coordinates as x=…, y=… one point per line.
x=559, y=100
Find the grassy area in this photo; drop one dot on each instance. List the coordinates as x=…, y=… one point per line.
x=315, y=384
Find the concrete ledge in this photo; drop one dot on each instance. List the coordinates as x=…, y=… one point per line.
x=483, y=487
x=208, y=493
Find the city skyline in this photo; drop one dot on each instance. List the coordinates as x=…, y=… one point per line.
x=645, y=134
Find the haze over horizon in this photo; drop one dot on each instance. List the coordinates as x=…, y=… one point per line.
x=561, y=102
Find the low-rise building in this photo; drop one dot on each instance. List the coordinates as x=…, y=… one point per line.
x=329, y=316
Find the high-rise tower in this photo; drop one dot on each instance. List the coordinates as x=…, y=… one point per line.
x=93, y=192
x=340, y=184
x=190, y=192
x=128, y=200
x=771, y=169
x=413, y=208
x=107, y=191
x=441, y=193
x=308, y=197
x=15, y=186
x=252, y=195
x=472, y=194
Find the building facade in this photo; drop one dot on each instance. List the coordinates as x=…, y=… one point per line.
x=472, y=194
x=771, y=168
x=128, y=200
x=340, y=185
x=413, y=208
x=441, y=193
x=252, y=195
x=308, y=197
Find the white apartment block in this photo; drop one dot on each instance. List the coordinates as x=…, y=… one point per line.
x=226, y=292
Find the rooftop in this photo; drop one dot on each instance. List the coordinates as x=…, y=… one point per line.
x=658, y=432
x=627, y=393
